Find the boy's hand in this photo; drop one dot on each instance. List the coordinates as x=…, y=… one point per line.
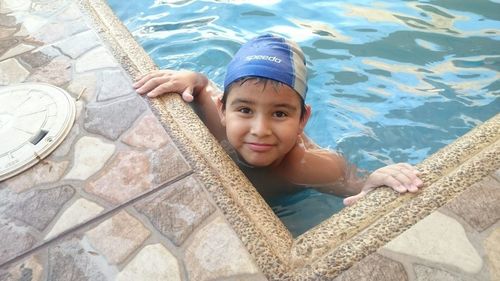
x=401, y=177
x=161, y=82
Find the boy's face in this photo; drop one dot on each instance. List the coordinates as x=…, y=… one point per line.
x=262, y=122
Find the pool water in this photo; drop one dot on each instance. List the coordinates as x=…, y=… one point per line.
x=388, y=81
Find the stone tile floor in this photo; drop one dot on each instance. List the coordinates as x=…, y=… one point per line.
x=117, y=200
x=460, y=241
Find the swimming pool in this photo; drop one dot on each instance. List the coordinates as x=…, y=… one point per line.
x=388, y=82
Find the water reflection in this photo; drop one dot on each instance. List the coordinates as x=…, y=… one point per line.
x=322, y=29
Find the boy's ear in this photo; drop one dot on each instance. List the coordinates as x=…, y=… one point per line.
x=221, y=111
x=305, y=118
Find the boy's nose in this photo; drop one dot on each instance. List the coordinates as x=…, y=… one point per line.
x=260, y=127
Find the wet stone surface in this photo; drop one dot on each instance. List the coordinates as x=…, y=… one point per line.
x=70, y=261
x=79, y=212
x=153, y=262
x=36, y=208
x=216, y=252
x=167, y=163
x=40, y=57
x=55, y=31
x=64, y=148
x=114, y=84
x=15, y=240
x=456, y=250
x=114, y=118
x=117, y=237
x=492, y=248
x=97, y=58
x=126, y=177
x=9, y=43
x=71, y=12
x=57, y=72
x=479, y=205
x=78, y=44
x=19, y=49
x=15, y=6
x=176, y=210
x=90, y=156
x=425, y=273
x=29, y=269
x=376, y=268
x=148, y=133
x=87, y=81
x=42, y=173
x=7, y=21
x=11, y=72
x=44, y=6
x=5, y=32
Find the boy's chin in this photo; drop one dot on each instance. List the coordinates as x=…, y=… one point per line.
x=257, y=163
x=257, y=160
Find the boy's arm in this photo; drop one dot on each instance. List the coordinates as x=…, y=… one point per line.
x=192, y=86
x=329, y=172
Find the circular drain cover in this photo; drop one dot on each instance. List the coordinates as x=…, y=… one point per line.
x=34, y=120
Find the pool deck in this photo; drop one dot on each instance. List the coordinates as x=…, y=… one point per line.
x=123, y=199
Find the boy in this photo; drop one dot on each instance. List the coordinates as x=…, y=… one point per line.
x=260, y=117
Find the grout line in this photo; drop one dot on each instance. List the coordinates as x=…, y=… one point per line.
x=100, y=217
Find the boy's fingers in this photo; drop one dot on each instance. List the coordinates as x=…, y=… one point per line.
x=412, y=188
x=351, y=199
x=152, y=75
x=170, y=87
x=146, y=78
x=407, y=175
x=412, y=173
x=419, y=182
x=348, y=201
x=159, y=90
x=187, y=95
x=398, y=187
x=395, y=180
x=409, y=167
x=156, y=84
x=407, y=178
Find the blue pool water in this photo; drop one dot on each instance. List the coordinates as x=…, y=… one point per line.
x=389, y=81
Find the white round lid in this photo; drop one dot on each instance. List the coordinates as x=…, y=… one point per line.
x=34, y=120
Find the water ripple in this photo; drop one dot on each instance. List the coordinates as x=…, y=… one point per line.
x=388, y=81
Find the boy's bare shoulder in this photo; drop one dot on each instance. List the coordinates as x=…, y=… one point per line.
x=312, y=165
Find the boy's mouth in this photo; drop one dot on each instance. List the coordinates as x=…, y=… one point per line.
x=259, y=147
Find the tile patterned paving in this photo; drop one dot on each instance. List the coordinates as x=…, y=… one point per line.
x=116, y=200
x=460, y=241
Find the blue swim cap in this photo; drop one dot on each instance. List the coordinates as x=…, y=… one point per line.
x=271, y=57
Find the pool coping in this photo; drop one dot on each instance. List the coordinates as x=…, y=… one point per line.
x=340, y=241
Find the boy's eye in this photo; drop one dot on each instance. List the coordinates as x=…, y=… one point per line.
x=245, y=110
x=280, y=114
